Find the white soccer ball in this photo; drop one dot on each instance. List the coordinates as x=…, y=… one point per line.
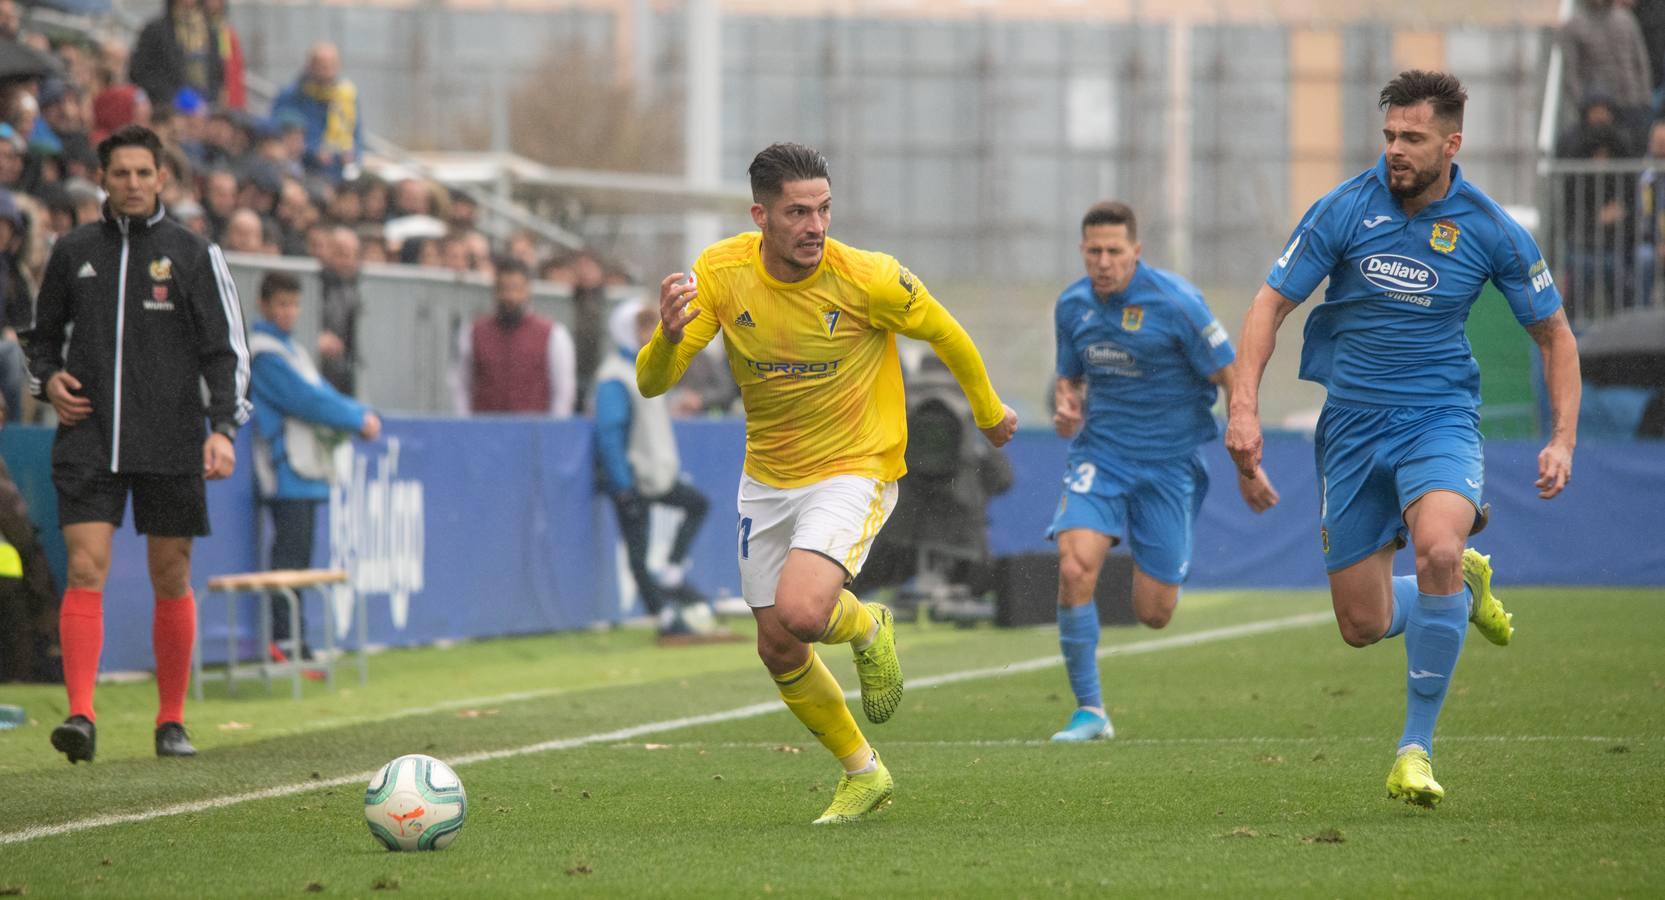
x=415, y=803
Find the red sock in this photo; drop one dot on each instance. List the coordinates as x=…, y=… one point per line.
x=172, y=632
x=81, y=636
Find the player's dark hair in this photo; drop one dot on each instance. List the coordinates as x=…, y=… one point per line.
x=1111, y=212
x=275, y=283
x=130, y=136
x=1441, y=89
x=510, y=265
x=777, y=164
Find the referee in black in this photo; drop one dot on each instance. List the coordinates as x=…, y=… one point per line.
x=150, y=316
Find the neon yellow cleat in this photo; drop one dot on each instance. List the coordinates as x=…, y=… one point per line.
x=878, y=669
x=858, y=796
x=1488, y=616
x=1412, y=779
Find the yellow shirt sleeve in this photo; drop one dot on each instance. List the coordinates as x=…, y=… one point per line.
x=899, y=302
x=660, y=364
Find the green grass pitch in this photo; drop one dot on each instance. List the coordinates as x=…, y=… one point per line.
x=1243, y=766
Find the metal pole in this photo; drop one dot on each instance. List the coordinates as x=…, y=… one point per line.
x=703, y=124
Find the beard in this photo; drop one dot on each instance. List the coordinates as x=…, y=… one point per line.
x=1420, y=181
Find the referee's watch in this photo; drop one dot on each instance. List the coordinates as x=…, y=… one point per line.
x=229, y=429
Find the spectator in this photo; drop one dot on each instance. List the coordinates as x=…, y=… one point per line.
x=294, y=408
x=462, y=213
x=1601, y=208
x=219, y=200
x=11, y=21
x=189, y=213
x=12, y=158
x=224, y=142
x=372, y=249
x=1650, y=239
x=338, y=332
x=523, y=245
x=19, y=306
x=233, y=91
x=175, y=50
x=190, y=125
x=1605, y=54
x=294, y=215
x=60, y=210
x=589, y=318
x=89, y=205
x=413, y=214
x=514, y=360
x=637, y=458
x=347, y=204
x=328, y=106
x=454, y=255
x=117, y=437
x=373, y=199
x=318, y=237
x=245, y=233
x=259, y=188
x=117, y=107
x=708, y=387
x=420, y=251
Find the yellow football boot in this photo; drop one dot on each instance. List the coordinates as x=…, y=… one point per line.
x=858, y=796
x=1412, y=779
x=878, y=669
x=1488, y=615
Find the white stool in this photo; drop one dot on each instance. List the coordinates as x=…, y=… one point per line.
x=286, y=583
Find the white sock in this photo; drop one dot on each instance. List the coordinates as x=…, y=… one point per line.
x=872, y=765
x=862, y=643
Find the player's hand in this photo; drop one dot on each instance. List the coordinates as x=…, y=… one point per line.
x=60, y=392
x=1066, y=418
x=1244, y=442
x=371, y=427
x=219, y=457
x=330, y=345
x=1001, y=432
x=1554, y=470
x=1257, y=490
x=675, y=313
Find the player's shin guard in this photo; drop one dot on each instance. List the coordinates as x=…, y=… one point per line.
x=173, y=629
x=1078, y=638
x=813, y=695
x=1404, y=600
x=1433, y=641
x=849, y=622
x=81, y=637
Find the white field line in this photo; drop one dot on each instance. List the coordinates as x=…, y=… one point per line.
x=1171, y=742
x=626, y=734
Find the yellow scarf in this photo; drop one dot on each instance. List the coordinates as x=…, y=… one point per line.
x=342, y=100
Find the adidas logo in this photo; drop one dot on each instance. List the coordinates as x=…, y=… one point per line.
x=86, y=271
x=744, y=320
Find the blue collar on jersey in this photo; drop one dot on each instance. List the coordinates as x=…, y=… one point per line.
x=1456, y=182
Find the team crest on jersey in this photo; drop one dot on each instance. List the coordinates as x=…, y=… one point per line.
x=830, y=316
x=1444, y=237
x=161, y=269
x=1133, y=317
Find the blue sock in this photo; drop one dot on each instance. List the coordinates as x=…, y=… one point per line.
x=1433, y=641
x=1078, y=637
x=1404, y=597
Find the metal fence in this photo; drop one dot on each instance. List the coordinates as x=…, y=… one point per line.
x=1603, y=236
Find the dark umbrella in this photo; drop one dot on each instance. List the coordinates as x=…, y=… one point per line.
x=19, y=60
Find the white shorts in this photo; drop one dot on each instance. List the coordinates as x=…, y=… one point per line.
x=837, y=518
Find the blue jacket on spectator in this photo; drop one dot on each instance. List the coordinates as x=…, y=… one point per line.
x=612, y=431
x=285, y=385
x=330, y=117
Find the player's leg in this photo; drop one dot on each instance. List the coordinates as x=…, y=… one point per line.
x=1360, y=526
x=171, y=511
x=1092, y=516
x=90, y=507
x=1162, y=512
x=838, y=522
x=764, y=536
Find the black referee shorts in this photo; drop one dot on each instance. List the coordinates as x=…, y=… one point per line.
x=163, y=505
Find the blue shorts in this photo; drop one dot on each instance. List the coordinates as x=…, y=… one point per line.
x=1153, y=505
x=1373, y=462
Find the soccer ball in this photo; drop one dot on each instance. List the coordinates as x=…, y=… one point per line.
x=415, y=803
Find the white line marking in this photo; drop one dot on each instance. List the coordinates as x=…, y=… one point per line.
x=749, y=711
x=1165, y=742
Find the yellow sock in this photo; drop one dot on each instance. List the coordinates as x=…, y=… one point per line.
x=813, y=695
x=850, y=621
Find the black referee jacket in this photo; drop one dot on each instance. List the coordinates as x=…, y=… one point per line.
x=150, y=316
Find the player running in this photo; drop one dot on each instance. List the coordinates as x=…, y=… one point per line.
x=1407, y=247
x=1139, y=358
x=809, y=325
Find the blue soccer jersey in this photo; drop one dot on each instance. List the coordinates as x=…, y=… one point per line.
x=1147, y=354
x=1390, y=329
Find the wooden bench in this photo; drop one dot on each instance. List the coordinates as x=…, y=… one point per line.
x=287, y=584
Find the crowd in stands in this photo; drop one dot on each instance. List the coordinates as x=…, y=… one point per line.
x=287, y=180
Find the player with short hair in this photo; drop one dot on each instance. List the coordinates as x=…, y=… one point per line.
x=809, y=325
x=1139, y=359
x=154, y=316
x=1407, y=247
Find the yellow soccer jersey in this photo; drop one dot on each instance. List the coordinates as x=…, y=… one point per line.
x=816, y=359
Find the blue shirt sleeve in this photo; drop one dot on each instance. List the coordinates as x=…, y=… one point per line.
x=1311, y=253
x=1069, y=361
x=1522, y=275
x=1207, y=346
x=277, y=385
x=612, y=434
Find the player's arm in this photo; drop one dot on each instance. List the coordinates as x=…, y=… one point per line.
x=1564, y=382
x=1255, y=486
x=684, y=329
x=223, y=356
x=1069, y=392
x=1259, y=339
x=899, y=302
